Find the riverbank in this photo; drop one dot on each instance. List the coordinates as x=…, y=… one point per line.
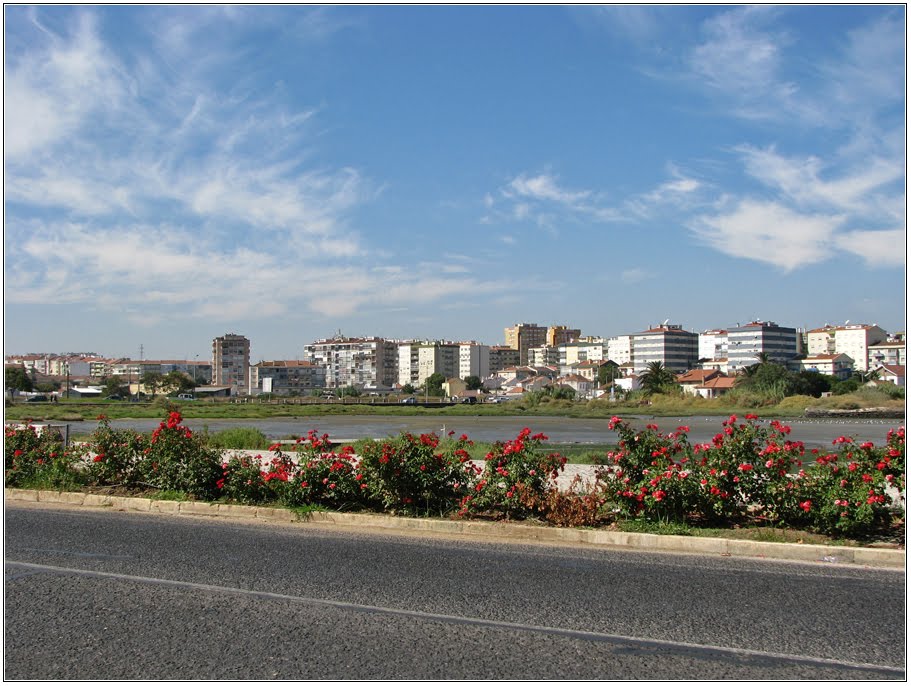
x=658, y=406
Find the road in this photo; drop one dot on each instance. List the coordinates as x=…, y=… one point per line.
x=109, y=595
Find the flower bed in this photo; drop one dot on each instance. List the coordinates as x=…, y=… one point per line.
x=750, y=472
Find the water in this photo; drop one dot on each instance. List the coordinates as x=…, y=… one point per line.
x=813, y=432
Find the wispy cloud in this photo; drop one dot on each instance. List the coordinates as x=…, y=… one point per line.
x=149, y=180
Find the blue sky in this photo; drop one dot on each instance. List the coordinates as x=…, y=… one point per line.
x=176, y=173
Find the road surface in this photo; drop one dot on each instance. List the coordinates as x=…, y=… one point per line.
x=109, y=595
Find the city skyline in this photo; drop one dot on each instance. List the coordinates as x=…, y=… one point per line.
x=173, y=174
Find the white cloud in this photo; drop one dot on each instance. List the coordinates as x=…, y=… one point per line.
x=544, y=187
x=769, y=232
x=878, y=248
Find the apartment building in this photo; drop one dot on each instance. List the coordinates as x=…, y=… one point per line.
x=746, y=343
x=713, y=344
x=501, y=357
x=286, y=377
x=891, y=353
x=523, y=336
x=438, y=358
x=580, y=351
x=355, y=362
x=669, y=344
x=543, y=356
x=560, y=335
x=620, y=349
x=853, y=341
x=474, y=360
x=231, y=363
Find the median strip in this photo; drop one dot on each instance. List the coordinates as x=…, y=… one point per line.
x=499, y=531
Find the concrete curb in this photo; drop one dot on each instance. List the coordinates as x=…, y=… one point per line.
x=499, y=531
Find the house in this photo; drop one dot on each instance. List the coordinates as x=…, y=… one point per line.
x=580, y=384
x=892, y=373
x=716, y=386
x=695, y=378
x=838, y=365
x=453, y=387
x=87, y=391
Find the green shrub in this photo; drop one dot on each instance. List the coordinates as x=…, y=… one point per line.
x=239, y=438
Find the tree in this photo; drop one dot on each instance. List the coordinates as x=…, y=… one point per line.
x=152, y=382
x=408, y=389
x=608, y=373
x=17, y=379
x=177, y=382
x=657, y=378
x=473, y=383
x=349, y=391
x=114, y=385
x=434, y=384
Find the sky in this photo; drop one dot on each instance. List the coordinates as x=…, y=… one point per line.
x=176, y=173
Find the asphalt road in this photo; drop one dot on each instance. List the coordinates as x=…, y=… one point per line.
x=111, y=595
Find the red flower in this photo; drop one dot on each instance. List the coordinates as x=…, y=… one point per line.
x=806, y=505
x=658, y=495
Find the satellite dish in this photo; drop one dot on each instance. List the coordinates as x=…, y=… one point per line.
x=666, y=321
x=847, y=321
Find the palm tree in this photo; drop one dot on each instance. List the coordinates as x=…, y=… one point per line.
x=657, y=378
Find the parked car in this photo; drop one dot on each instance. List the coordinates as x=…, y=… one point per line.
x=186, y=396
x=470, y=400
x=114, y=396
x=37, y=399
x=410, y=401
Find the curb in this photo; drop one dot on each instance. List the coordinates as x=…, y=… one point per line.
x=499, y=531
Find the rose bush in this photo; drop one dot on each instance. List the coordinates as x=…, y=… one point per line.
x=517, y=479
x=116, y=455
x=418, y=473
x=321, y=476
x=38, y=459
x=178, y=460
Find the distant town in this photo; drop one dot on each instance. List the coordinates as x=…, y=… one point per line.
x=532, y=358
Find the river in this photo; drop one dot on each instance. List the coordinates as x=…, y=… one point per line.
x=813, y=432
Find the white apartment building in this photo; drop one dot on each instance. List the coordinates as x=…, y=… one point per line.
x=620, y=349
x=713, y=344
x=474, y=360
x=888, y=352
x=438, y=358
x=853, y=341
x=355, y=362
x=669, y=344
x=580, y=351
x=746, y=343
x=544, y=356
